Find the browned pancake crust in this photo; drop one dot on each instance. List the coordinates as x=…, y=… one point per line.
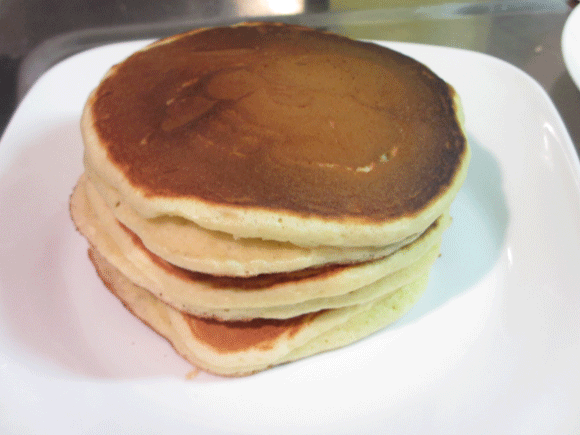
x=228, y=336
x=279, y=117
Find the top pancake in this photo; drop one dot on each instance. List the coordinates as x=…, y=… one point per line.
x=279, y=132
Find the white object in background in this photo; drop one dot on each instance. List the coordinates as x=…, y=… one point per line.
x=571, y=45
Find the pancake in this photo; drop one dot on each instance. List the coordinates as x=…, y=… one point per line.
x=279, y=132
x=264, y=192
x=274, y=296
x=186, y=244
x=243, y=348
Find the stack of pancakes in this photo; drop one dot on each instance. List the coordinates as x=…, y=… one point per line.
x=263, y=192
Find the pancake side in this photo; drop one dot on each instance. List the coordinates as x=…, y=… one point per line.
x=242, y=348
x=201, y=293
x=186, y=244
x=368, y=293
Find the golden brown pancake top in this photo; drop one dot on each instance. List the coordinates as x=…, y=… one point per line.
x=280, y=117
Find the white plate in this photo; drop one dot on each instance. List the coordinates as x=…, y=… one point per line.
x=493, y=347
x=571, y=45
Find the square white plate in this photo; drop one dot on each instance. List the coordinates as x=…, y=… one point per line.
x=493, y=347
